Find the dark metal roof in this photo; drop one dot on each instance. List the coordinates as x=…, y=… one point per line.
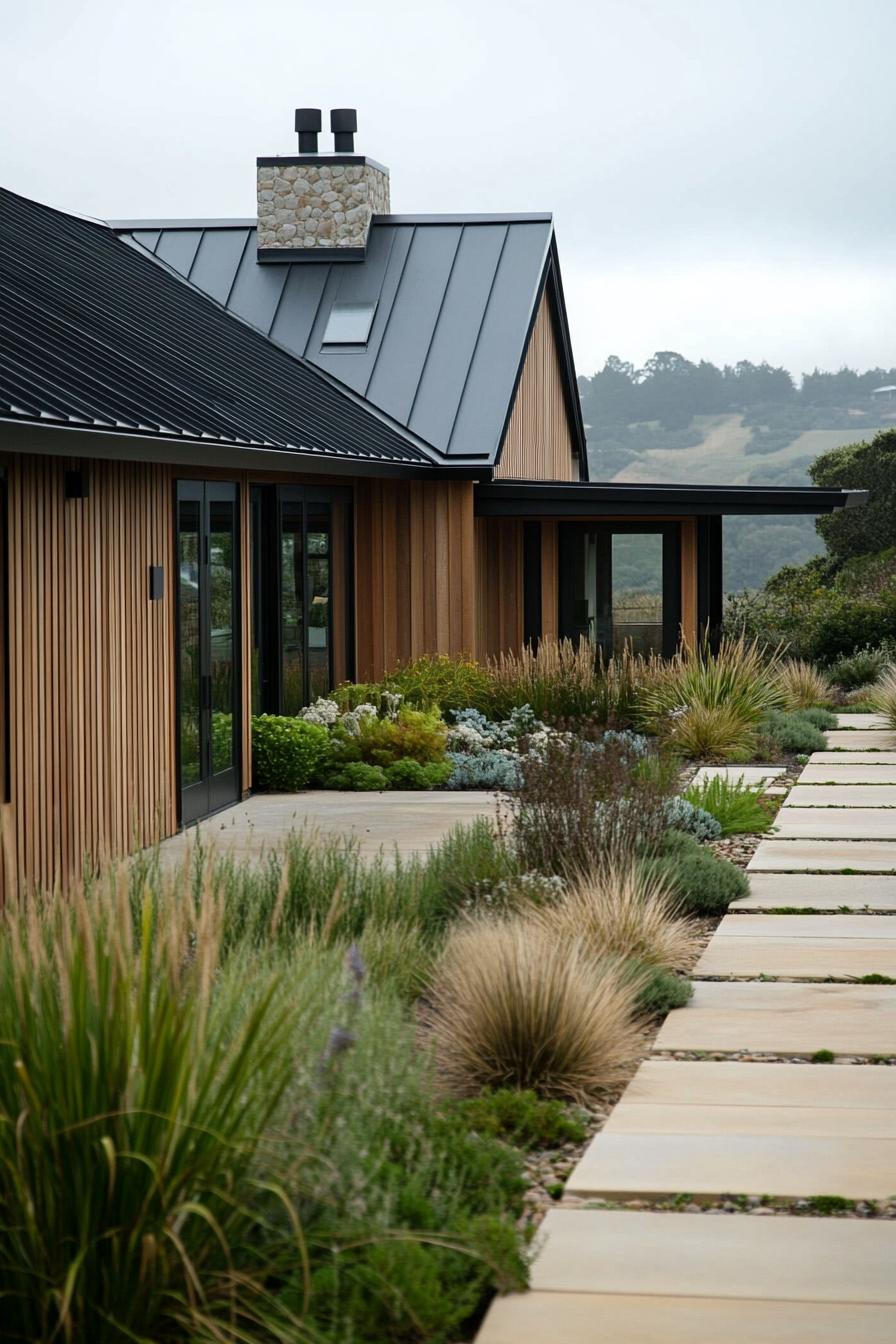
x=455, y=299
x=585, y=499
x=95, y=335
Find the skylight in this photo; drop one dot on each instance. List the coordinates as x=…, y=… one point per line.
x=349, y=324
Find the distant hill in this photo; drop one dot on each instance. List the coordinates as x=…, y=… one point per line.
x=675, y=421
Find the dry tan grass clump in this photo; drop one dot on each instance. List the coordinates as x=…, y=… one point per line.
x=513, y=1006
x=622, y=911
x=883, y=696
x=803, y=683
x=563, y=679
x=710, y=732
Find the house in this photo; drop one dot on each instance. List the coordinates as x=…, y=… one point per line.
x=243, y=460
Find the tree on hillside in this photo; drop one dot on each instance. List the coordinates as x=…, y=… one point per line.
x=860, y=466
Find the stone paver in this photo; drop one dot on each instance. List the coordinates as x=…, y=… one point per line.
x=410, y=821
x=699, y=1083
x=844, y=771
x=812, y=856
x=784, y=1019
x=862, y=721
x=750, y=775
x=699, y=1130
x=602, y=1318
x=849, y=795
x=801, y=947
x=818, y=891
x=845, y=928
x=738, y=1256
x=835, y=823
x=705, y=1164
x=852, y=757
x=860, y=739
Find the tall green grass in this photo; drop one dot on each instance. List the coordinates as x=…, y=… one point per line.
x=133, y=1100
x=737, y=808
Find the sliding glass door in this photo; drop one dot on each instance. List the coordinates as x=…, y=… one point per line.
x=208, y=645
x=301, y=569
x=620, y=585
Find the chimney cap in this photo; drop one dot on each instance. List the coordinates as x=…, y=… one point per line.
x=308, y=119
x=344, y=119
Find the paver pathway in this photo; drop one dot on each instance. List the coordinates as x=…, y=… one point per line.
x=695, y=1130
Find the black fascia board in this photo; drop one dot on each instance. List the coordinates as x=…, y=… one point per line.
x=531, y=499
x=561, y=328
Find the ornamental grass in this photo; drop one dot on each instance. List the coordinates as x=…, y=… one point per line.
x=511, y=1005
x=803, y=684
x=562, y=680
x=623, y=910
x=134, y=1093
x=883, y=696
x=709, y=732
x=740, y=676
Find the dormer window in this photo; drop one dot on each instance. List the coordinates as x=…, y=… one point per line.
x=349, y=324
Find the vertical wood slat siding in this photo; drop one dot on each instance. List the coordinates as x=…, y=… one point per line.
x=91, y=666
x=550, y=581
x=689, y=580
x=499, y=586
x=538, y=444
x=414, y=571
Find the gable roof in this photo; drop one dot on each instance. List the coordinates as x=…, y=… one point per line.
x=94, y=335
x=455, y=301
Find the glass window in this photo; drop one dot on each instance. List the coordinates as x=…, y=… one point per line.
x=349, y=324
x=189, y=643
x=637, y=596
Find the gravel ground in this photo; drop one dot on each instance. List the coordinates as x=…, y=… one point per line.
x=830, y=1206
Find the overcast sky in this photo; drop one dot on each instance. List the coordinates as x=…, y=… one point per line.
x=722, y=172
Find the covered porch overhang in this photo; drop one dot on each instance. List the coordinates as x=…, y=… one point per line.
x=595, y=499
x=622, y=563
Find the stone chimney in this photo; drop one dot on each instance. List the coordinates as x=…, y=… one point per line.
x=311, y=203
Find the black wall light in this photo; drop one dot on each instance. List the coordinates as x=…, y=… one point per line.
x=76, y=484
x=156, y=583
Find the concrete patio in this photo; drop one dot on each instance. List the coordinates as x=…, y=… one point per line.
x=408, y=822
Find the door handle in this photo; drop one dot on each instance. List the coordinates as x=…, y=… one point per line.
x=206, y=691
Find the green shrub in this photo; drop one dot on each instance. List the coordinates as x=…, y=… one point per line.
x=521, y=1118
x=358, y=777
x=820, y=717
x=691, y=817
x=860, y=668
x=409, y=1216
x=703, y=883
x=803, y=683
x=407, y=773
x=793, y=732
x=737, y=808
x=438, y=681
x=413, y=734
x=287, y=753
x=662, y=991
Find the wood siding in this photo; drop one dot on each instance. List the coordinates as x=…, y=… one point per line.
x=538, y=444
x=91, y=667
x=689, y=580
x=499, y=586
x=414, y=571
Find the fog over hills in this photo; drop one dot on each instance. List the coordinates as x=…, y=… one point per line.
x=745, y=424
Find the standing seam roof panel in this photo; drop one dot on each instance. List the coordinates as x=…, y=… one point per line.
x=502, y=341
